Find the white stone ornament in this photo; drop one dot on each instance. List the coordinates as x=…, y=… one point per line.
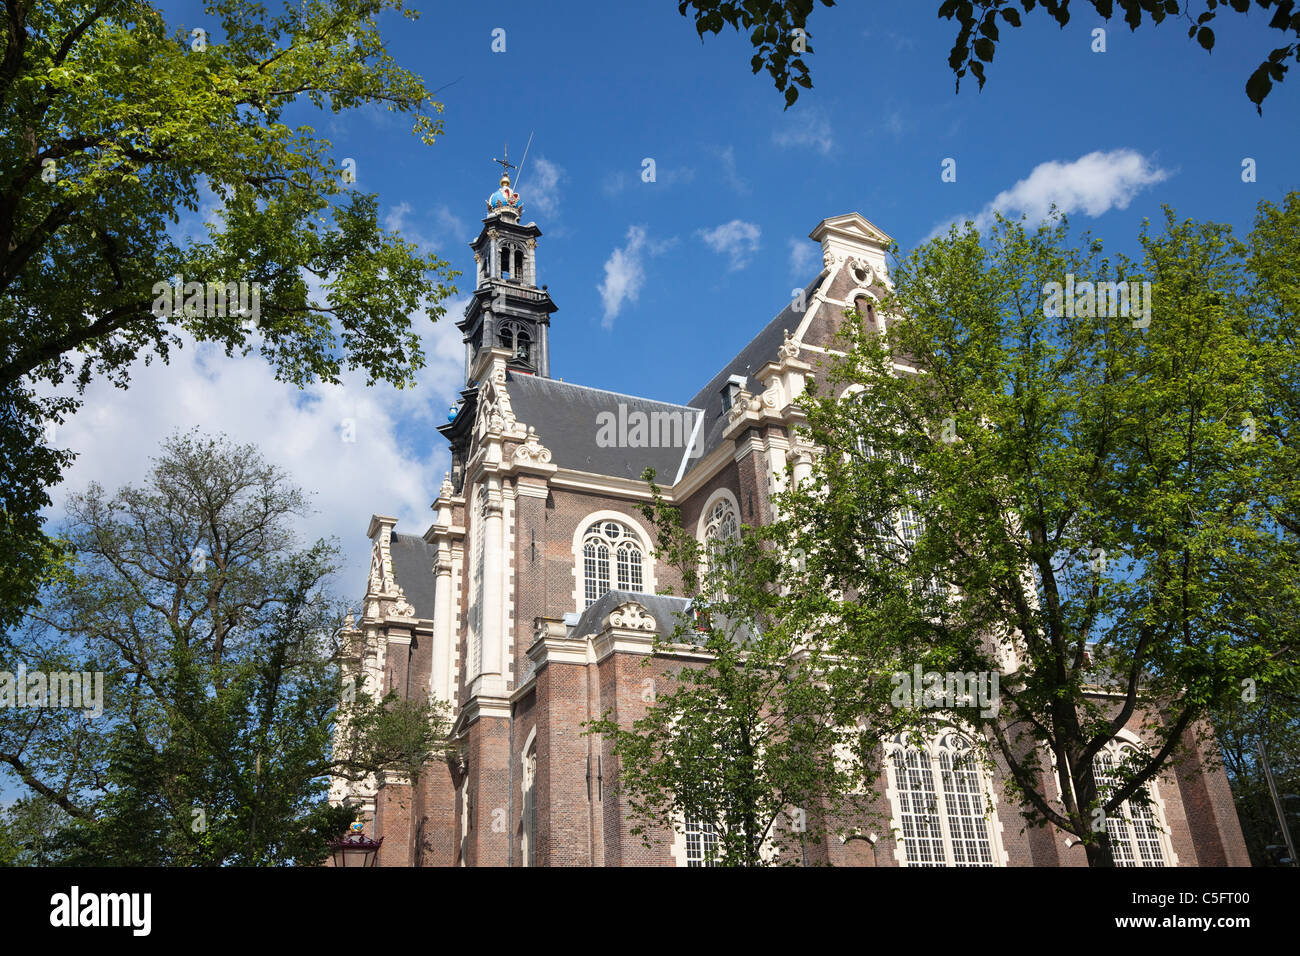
x=632, y=616
x=789, y=349
x=532, y=451
x=862, y=271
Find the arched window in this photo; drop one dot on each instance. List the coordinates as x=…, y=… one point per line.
x=720, y=529
x=1133, y=828
x=612, y=558
x=940, y=803
x=721, y=523
x=516, y=337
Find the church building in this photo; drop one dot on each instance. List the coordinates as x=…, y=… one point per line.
x=533, y=598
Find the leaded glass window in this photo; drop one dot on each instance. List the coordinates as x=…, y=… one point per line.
x=941, y=803
x=1133, y=829
x=612, y=559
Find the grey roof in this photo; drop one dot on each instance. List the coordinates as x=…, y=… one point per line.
x=568, y=419
x=761, y=349
x=413, y=568
x=664, y=608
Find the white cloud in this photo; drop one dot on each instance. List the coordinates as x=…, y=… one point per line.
x=737, y=240
x=542, y=186
x=625, y=273
x=803, y=254
x=810, y=128
x=1092, y=184
x=386, y=470
x=448, y=229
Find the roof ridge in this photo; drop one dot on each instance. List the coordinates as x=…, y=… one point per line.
x=606, y=391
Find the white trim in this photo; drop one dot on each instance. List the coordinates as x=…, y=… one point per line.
x=686, y=454
x=708, y=506
x=528, y=839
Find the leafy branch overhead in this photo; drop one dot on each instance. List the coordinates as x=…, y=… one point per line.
x=778, y=31
x=978, y=35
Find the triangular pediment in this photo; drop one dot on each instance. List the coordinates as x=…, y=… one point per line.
x=851, y=226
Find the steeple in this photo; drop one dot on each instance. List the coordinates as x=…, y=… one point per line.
x=508, y=311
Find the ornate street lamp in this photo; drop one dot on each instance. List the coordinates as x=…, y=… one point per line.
x=355, y=848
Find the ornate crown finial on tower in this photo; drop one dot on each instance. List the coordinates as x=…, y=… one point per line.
x=505, y=198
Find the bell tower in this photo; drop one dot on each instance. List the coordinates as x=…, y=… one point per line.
x=509, y=310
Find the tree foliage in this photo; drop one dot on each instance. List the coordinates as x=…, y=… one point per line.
x=1098, y=493
x=219, y=644
x=113, y=126
x=752, y=740
x=773, y=25
x=777, y=30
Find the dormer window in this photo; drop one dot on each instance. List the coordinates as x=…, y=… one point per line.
x=731, y=391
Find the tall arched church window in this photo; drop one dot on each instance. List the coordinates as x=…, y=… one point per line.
x=721, y=528
x=940, y=802
x=612, y=559
x=1133, y=828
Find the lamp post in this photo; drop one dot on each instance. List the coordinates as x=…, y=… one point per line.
x=1277, y=803
x=355, y=848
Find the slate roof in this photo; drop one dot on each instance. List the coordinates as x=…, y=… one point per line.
x=760, y=350
x=413, y=559
x=566, y=417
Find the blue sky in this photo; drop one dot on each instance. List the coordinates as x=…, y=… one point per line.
x=658, y=284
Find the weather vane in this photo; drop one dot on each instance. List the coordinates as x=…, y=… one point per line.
x=505, y=166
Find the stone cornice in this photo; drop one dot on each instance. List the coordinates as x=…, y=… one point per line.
x=483, y=705
x=571, y=479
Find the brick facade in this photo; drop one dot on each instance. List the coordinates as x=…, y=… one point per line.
x=470, y=809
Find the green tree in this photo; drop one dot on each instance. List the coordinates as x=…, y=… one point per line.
x=220, y=645
x=778, y=28
x=752, y=740
x=29, y=832
x=1067, y=493
x=1242, y=727
x=92, y=188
